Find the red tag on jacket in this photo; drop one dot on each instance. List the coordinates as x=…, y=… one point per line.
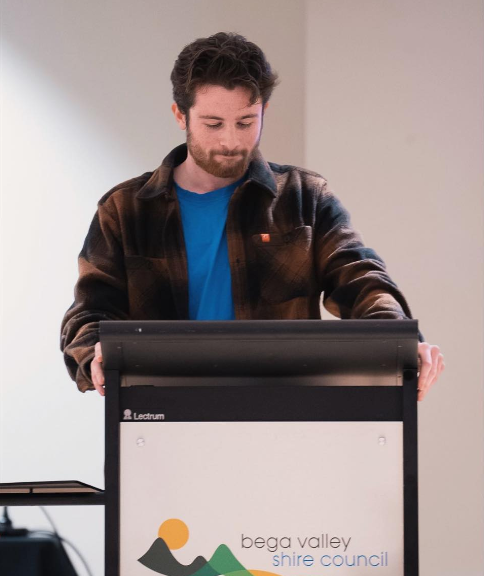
x=265, y=237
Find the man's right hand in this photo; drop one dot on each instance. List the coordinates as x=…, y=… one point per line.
x=97, y=373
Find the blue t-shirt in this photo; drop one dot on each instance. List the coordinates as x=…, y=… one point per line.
x=209, y=281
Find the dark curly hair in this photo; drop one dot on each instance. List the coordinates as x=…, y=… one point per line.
x=224, y=59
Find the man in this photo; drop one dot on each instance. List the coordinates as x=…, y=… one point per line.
x=218, y=233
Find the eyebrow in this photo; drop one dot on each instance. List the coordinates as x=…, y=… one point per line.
x=240, y=118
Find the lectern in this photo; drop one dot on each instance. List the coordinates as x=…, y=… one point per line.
x=257, y=448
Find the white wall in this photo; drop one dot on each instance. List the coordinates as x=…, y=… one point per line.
x=86, y=102
x=394, y=106
x=392, y=116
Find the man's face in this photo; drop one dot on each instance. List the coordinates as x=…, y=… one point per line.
x=224, y=131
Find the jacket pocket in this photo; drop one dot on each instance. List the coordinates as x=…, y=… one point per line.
x=285, y=264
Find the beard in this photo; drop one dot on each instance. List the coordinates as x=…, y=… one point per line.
x=227, y=165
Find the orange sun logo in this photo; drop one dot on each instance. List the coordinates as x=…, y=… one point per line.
x=174, y=532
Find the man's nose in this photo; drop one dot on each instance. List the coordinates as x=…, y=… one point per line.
x=229, y=140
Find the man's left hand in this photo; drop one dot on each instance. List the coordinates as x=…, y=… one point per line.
x=431, y=364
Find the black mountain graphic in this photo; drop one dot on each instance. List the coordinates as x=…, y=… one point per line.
x=160, y=559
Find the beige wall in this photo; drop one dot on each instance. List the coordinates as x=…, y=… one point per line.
x=394, y=121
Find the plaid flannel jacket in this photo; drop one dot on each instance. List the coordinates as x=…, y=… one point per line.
x=289, y=241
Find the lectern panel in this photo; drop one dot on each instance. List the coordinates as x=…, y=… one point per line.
x=261, y=498
x=261, y=448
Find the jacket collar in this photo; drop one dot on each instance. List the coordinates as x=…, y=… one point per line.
x=161, y=180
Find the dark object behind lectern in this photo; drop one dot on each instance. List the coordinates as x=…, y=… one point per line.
x=287, y=370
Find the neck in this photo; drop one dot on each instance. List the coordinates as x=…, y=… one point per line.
x=190, y=176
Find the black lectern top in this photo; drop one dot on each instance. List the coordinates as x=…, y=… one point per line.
x=346, y=352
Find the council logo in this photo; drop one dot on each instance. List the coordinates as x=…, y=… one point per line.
x=172, y=535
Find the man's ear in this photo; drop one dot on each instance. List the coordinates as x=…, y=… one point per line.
x=265, y=106
x=179, y=116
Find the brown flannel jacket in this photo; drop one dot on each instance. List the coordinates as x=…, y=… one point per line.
x=289, y=241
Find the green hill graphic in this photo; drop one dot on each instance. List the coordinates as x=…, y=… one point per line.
x=222, y=562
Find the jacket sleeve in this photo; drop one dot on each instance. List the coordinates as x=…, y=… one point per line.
x=353, y=278
x=99, y=294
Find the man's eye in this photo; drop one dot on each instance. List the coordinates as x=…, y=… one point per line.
x=241, y=124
